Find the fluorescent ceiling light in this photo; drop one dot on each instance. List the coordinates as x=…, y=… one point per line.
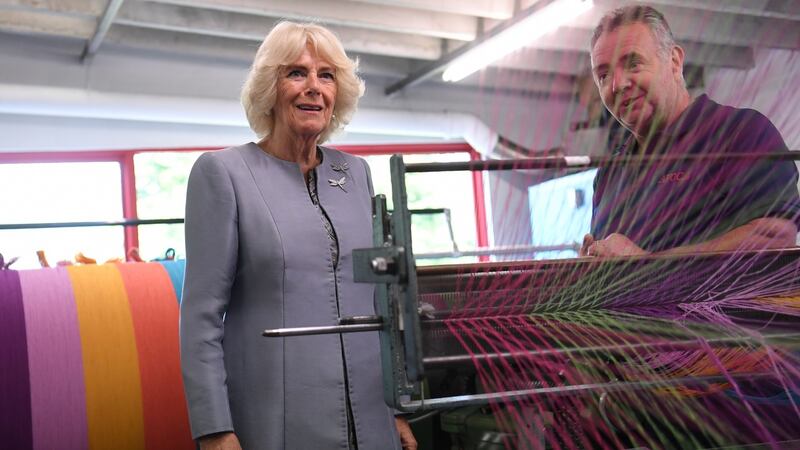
x=537, y=24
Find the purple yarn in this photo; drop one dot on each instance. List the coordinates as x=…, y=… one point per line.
x=58, y=395
x=15, y=392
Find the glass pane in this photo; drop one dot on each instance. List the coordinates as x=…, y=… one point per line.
x=62, y=244
x=431, y=232
x=561, y=213
x=61, y=192
x=161, y=179
x=155, y=240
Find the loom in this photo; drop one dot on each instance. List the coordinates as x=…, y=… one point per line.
x=428, y=317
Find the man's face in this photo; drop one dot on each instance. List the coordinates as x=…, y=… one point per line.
x=638, y=85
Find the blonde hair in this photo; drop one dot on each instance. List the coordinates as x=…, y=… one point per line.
x=282, y=46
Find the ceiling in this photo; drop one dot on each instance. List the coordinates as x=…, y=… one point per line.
x=400, y=43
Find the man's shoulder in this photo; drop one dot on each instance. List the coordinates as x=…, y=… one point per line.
x=721, y=128
x=726, y=113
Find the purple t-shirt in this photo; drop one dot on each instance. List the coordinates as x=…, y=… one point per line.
x=669, y=204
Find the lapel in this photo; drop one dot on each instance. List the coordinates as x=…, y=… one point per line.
x=284, y=194
x=343, y=195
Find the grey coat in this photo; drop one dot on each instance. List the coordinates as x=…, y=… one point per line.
x=258, y=257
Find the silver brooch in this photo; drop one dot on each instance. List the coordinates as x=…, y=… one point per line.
x=340, y=167
x=338, y=183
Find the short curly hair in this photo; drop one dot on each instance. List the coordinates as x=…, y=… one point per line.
x=644, y=14
x=282, y=46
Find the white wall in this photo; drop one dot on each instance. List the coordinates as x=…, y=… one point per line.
x=30, y=133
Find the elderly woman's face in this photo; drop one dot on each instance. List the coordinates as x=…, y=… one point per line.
x=306, y=95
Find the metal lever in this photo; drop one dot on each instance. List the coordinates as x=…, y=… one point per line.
x=352, y=324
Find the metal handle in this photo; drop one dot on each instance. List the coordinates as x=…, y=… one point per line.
x=352, y=324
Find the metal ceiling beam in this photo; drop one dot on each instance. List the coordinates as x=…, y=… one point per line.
x=253, y=28
x=564, y=62
x=437, y=66
x=573, y=62
x=490, y=9
x=72, y=7
x=697, y=52
x=718, y=26
x=47, y=24
x=232, y=51
x=791, y=7
x=346, y=13
x=778, y=9
x=567, y=52
x=151, y=41
x=495, y=79
x=387, y=69
x=102, y=28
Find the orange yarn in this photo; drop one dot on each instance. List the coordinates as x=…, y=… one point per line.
x=110, y=360
x=154, y=310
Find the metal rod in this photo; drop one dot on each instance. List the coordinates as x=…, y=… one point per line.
x=614, y=386
x=332, y=329
x=352, y=320
x=126, y=223
x=488, y=268
x=507, y=250
x=424, y=211
x=585, y=162
x=688, y=344
x=427, y=211
x=102, y=28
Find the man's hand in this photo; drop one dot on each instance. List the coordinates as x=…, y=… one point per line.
x=219, y=441
x=406, y=435
x=588, y=240
x=614, y=245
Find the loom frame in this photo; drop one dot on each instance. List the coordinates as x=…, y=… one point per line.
x=390, y=264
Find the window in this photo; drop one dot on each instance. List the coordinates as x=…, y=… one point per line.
x=161, y=179
x=61, y=192
x=561, y=213
x=431, y=232
x=58, y=187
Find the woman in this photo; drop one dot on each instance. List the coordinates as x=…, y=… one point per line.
x=270, y=228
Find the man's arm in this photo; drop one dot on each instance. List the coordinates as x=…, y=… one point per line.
x=758, y=234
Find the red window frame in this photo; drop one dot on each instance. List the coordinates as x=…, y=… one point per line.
x=127, y=170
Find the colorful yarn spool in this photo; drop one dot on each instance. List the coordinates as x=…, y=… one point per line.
x=90, y=358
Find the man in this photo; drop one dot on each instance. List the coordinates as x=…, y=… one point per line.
x=681, y=207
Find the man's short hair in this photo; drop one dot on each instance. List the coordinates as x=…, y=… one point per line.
x=644, y=14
